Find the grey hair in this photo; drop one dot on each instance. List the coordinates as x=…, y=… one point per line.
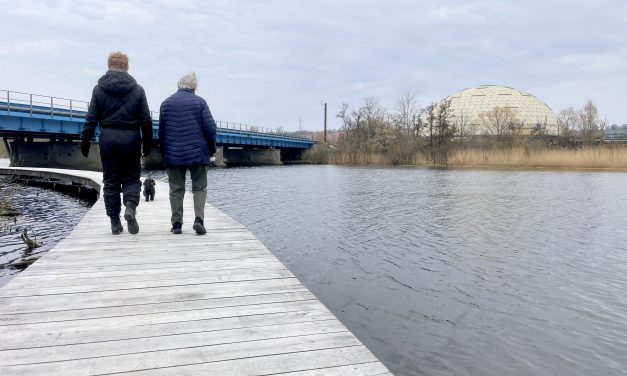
x=188, y=81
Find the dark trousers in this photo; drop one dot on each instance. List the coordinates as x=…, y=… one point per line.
x=120, y=154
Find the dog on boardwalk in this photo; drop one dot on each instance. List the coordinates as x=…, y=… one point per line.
x=149, y=189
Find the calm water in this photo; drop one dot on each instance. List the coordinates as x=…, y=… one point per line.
x=453, y=272
x=48, y=216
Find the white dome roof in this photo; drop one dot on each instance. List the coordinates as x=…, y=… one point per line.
x=527, y=109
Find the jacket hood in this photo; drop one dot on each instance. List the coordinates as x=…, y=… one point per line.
x=117, y=83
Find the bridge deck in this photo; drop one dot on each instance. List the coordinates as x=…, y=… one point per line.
x=163, y=304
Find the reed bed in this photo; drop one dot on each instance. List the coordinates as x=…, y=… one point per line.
x=598, y=157
x=364, y=158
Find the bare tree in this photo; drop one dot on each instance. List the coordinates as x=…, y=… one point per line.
x=437, y=120
x=566, y=120
x=499, y=121
x=406, y=113
x=602, y=127
x=445, y=127
x=373, y=114
x=430, y=113
x=588, y=122
x=463, y=125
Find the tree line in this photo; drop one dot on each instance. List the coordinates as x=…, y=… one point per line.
x=406, y=133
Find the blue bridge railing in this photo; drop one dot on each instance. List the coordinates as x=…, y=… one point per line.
x=40, y=116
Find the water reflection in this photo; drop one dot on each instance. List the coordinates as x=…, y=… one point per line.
x=452, y=272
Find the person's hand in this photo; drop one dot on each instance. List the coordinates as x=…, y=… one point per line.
x=212, y=161
x=85, y=145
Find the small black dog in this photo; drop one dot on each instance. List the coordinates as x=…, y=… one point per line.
x=149, y=189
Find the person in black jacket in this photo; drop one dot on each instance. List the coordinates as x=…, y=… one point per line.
x=187, y=133
x=118, y=104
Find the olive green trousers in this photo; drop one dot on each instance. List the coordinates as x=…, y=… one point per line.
x=176, y=179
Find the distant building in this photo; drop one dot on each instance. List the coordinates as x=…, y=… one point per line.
x=474, y=108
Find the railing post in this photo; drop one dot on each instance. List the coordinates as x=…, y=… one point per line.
x=51, y=106
x=9, y=102
x=70, y=109
x=31, y=105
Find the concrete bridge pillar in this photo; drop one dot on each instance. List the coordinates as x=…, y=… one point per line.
x=155, y=159
x=247, y=157
x=53, y=155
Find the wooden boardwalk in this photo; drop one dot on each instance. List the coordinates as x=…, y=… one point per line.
x=162, y=304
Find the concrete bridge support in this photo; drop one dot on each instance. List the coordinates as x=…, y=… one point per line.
x=155, y=160
x=53, y=155
x=246, y=157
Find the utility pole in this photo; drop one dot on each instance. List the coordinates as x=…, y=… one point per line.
x=325, y=120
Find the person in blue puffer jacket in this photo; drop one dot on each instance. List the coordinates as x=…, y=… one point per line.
x=187, y=133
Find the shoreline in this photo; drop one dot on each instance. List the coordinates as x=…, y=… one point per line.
x=484, y=167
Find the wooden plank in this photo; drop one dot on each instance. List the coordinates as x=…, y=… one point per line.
x=156, y=258
x=120, y=311
x=164, y=317
x=145, y=296
x=36, y=282
x=247, y=275
x=32, y=339
x=154, y=272
x=185, y=355
x=190, y=264
x=370, y=369
x=302, y=361
x=159, y=343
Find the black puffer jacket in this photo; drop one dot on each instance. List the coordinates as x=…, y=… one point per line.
x=118, y=101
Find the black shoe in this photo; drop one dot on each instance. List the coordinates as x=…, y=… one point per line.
x=199, y=226
x=146, y=198
x=129, y=216
x=176, y=228
x=116, y=226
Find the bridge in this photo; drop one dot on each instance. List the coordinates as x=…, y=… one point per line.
x=26, y=118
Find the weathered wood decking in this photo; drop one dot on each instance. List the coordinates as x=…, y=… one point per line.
x=162, y=304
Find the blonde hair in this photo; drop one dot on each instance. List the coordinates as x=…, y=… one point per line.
x=189, y=81
x=118, y=61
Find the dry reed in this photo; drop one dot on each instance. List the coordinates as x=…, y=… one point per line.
x=599, y=157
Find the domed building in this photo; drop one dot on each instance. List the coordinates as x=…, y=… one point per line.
x=479, y=109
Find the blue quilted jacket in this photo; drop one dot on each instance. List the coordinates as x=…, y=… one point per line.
x=187, y=131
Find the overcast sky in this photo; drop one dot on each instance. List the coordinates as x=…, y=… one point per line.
x=271, y=62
